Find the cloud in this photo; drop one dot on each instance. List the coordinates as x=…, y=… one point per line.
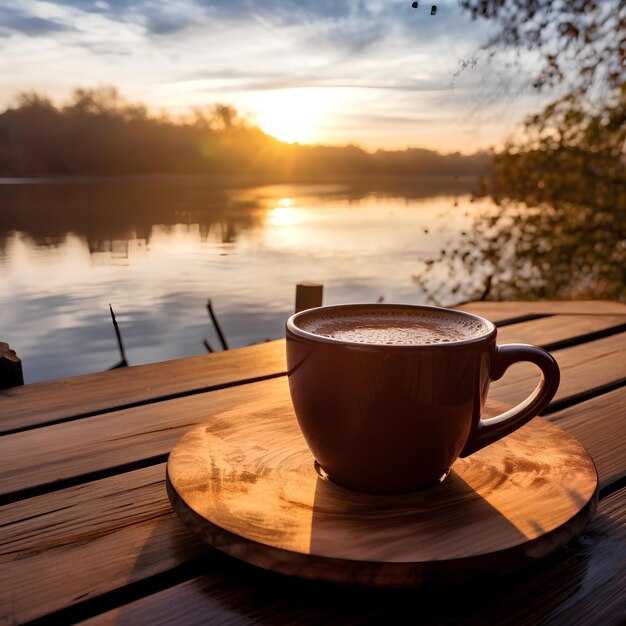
x=251, y=81
x=167, y=24
x=352, y=36
x=372, y=120
x=14, y=21
x=163, y=17
x=350, y=26
x=284, y=11
x=113, y=7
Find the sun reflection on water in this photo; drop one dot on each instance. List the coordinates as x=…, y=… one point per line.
x=284, y=214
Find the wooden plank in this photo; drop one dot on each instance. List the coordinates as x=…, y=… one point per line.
x=583, y=583
x=125, y=524
x=600, y=425
x=50, y=545
x=53, y=453
x=557, y=328
x=107, y=440
x=65, y=398
x=584, y=586
x=498, y=311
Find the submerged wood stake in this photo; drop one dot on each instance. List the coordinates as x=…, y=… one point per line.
x=10, y=367
x=208, y=346
x=218, y=328
x=123, y=362
x=308, y=295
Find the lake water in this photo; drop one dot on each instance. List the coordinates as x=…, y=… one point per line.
x=157, y=248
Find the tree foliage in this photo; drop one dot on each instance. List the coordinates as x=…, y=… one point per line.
x=559, y=227
x=581, y=43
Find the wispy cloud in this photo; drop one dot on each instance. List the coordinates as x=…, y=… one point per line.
x=165, y=17
x=15, y=21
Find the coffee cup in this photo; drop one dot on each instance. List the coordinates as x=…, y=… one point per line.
x=388, y=396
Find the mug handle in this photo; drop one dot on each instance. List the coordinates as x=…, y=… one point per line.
x=486, y=431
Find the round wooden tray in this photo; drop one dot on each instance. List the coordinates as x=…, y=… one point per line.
x=245, y=481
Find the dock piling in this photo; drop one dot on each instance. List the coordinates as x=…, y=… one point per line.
x=11, y=374
x=309, y=295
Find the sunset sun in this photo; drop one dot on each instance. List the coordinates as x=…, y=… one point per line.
x=284, y=127
x=292, y=115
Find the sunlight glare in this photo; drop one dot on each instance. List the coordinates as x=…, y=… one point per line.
x=292, y=115
x=282, y=216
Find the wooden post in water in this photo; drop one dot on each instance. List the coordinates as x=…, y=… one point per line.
x=10, y=367
x=308, y=295
x=123, y=362
x=218, y=328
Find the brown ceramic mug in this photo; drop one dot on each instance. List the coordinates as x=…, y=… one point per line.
x=384, y=413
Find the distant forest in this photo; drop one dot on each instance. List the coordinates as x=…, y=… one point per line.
x=98, y=133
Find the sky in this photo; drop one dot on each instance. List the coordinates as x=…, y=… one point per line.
x=375, y=73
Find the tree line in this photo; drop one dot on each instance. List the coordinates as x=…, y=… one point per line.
x=98, y=133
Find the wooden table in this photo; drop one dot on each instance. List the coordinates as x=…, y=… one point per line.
x=87, y=531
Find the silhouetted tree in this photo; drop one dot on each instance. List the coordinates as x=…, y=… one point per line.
x=99, y=132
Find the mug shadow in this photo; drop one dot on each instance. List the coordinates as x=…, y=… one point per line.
x=395, y=540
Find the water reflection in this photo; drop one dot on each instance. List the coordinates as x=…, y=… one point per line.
x=524, y=253
x=107, y=214
x=157, y=248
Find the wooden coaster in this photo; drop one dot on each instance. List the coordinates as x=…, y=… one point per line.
x=245, y=481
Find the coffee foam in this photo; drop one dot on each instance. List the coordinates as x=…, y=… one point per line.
x=388, y=326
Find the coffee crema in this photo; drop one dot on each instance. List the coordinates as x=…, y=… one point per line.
x=387, y=326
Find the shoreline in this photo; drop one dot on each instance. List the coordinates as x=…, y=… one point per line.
x=238, y=180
